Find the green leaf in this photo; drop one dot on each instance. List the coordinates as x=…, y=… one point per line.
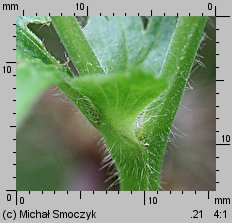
x=33, y=77
x=31, y=51
x=36, y=70
x=28, y=42
x=38, y=168
x=121, y=42
x=30, y=45
x=114, y=103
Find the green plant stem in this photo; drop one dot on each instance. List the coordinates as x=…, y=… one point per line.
x=183, y=47
x=76, y=45
x=176, y=69
x=140, y=168
x=110, y=103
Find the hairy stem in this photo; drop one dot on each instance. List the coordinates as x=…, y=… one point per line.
x=78, y=48
x=158, y=119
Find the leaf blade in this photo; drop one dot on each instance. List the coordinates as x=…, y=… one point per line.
x=33, y=57
x=123, y=42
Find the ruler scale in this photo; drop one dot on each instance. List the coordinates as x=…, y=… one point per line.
x=115, y=206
